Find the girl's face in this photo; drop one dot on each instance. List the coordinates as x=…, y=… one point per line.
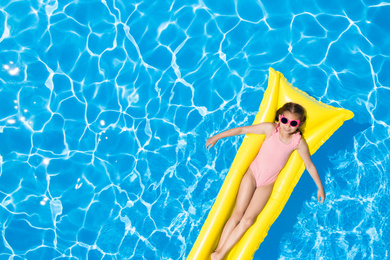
x=287, y=127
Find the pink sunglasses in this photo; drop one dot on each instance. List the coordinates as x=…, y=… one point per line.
x=284, y=120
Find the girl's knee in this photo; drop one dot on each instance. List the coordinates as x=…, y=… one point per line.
x=247, y=222
x=237, y=216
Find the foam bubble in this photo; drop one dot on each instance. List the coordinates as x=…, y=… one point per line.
x=14, y=72
x=43, y=202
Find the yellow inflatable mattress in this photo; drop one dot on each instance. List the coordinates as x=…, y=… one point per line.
x=322, y=121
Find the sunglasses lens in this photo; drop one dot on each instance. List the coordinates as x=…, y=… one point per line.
x=284, y=120
x=293, y=123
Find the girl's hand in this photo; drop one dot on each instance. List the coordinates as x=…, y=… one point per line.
x=211, y=141
x=321, y=195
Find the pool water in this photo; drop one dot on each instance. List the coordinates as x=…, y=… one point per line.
x=105, y=107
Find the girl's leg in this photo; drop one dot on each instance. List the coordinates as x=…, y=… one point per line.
x=244, y=196
x=256, y=205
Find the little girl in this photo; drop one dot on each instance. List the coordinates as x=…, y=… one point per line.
x=281, y=140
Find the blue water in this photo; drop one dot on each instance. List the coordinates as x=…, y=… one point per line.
x=105, y=107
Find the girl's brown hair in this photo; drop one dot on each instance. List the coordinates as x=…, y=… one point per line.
x=293, y=108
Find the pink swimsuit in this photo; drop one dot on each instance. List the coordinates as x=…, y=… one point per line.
x=272, y=157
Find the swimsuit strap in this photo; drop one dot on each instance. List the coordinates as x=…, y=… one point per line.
x=296, y=139
x=275, y=130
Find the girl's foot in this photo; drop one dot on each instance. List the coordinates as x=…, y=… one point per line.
x=215, y=256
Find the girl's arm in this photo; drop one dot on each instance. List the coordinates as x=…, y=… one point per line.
x=261, y=129
x=303, y=151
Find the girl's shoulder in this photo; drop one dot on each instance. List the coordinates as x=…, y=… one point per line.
x=301, y=142
x=271, y=128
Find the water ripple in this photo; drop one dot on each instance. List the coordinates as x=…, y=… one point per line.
x=105, y=107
